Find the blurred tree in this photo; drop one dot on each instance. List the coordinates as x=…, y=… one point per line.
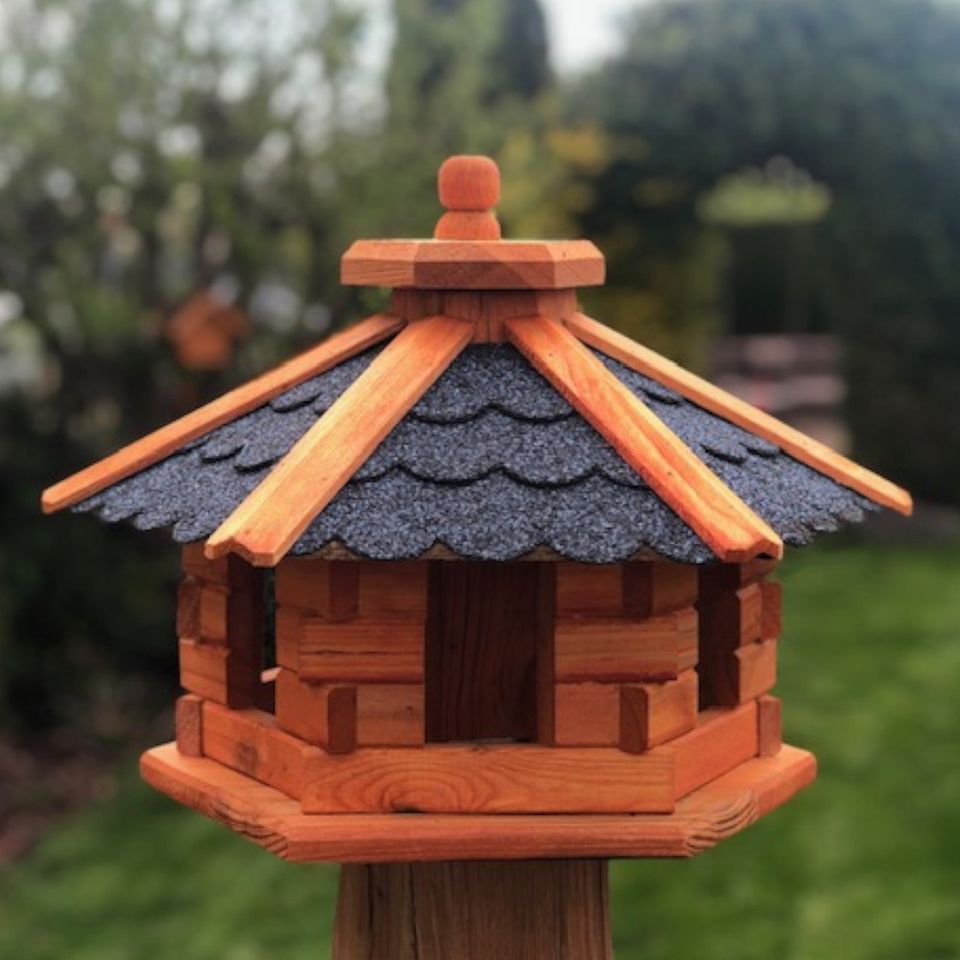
x=462, y=75
x=149, y=150
x=862, y=96
x=153, y=152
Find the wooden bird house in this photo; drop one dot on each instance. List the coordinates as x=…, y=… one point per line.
x=477, y=595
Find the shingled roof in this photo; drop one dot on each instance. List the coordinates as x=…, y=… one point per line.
x=491, y=464
x=483, y=417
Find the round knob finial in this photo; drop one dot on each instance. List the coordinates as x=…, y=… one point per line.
x=468, y=188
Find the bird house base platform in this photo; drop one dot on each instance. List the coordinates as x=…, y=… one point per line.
x=273, y=820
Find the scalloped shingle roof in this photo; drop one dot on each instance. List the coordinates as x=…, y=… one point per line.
x=491, y=463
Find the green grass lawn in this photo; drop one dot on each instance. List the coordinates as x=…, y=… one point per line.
x=865, y=864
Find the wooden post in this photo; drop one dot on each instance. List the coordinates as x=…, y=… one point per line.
x=474, y=910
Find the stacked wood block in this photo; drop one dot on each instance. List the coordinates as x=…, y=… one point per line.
x=350, y=640
x=625, y=649
x=500, y=684
x=220, y=628
x=740, y=612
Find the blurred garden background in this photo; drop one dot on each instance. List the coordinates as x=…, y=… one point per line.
x=178, y=179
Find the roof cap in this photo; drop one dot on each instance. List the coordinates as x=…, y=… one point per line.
x=467, y=252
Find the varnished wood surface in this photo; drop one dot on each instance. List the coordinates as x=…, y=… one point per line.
x=481, y=650
x=485, y=309
x=610, y=648
x=655, y=713
x=189, y=722
x=474, y=910
x=489, y=778
x=723, y=521
x=724, y=404
x=440, y=778
x=159, y=444
x=274, y=821
x=272, y=517
x=473, y=264
x=769, y=726
x=738, y=610
x=720, y=742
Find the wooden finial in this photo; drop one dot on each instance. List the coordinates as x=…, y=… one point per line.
x=468, y=187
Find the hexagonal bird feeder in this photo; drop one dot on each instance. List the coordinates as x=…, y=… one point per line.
x=515, y=571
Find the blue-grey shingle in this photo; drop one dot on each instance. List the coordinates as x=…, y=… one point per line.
x=492, y=463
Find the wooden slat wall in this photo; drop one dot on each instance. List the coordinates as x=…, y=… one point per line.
x=739, y=627
x=220, y=621
x=625, y=648
x=350, y=645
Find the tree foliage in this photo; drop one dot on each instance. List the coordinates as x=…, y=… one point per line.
x=864, y=97
x=151, y=150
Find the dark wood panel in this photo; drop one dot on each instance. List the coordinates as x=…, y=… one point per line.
x=484, y=625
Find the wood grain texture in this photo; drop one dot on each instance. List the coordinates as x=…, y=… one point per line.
x=694, y=492
x=756, y=669
x=772, y=614
x=393, y=590
x=534, y=910
x=482, y=658
x=189, y=723
x=730, y=606
x=362, y=651
x=267, y=817
x=269, y=521
x=204, y=669
x=467, y=225
x=468, y=182
x=161, y=443
x=587, y=715
x=213, y=614
x=321, y=714
x=390, y=714
x=252, y=743
x=287, y=629
x=589, y=589
x=196, y=564
x=721, y=740
x=651, y=588
x=610, y=649
x=654, y=713
x=723, y=404
x=485, y=309
x=473, y=264
x=740, y=612
x=328, y=589
x=490, y=778
x=769, y=725
x=188, y=607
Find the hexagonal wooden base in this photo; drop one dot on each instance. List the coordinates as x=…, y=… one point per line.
x=274, y=821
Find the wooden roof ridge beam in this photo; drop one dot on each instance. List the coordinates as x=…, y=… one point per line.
x=718, y=401
x=161, y=443
x=696, y=494
x=271, y=519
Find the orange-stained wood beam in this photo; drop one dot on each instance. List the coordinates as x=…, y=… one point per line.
x=723, y=404
x=320, y=463
x=161, y=443
x=723, y=521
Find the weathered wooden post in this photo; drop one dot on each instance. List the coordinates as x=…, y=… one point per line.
x=516, y=571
